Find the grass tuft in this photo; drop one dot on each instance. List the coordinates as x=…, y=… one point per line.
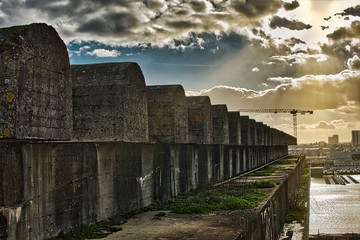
x=215, y=199
x=92, y=231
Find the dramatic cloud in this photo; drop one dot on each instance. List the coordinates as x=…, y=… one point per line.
x=341, y=51
x=298, y=58
x=112, y=24
x=277, y=21
x=353, y=11
x=346, y=32
x=131, y=22
x=354, y=63
x=312, y=92
x=291, y=6
x=256, y=8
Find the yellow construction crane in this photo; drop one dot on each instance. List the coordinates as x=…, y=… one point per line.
x=294, y=112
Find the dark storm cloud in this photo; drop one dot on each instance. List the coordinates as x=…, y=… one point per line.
x=353, y=11
x=291, y=6
x=199, y=6
x=73, y=7
x=256, y=8
x=293, y=41
x=354, y=63
x=130, y=22
x=342, y=51
x=346, y=32
x=183, y=24
x=277, y=21
x=110, y=24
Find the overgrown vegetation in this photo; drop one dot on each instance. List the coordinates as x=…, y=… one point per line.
x=267, y=171
x=92, y=231
x=299, y=201
x=218, y=198
x=262, y=184
x=288, y=161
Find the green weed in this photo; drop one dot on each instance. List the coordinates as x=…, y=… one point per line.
x=215, y=199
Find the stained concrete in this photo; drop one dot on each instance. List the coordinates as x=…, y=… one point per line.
x=168, y=114
x=35, y=84
x=234, y=128
x=200, y=120
x=220, y=124
x=109, y=102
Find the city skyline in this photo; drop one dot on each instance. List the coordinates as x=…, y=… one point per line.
x=245, y=54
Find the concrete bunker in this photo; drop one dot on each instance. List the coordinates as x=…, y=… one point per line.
x=234, y=128
x=220, y=123
x=200, y=119
x=168, y=114
x=259, y=133
x=245, y=130
x=109, y=102
x=35, y=84
x=50, y=187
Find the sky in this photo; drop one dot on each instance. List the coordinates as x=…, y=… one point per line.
x=247, y=54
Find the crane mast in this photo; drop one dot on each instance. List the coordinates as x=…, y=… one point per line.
x=293, y=112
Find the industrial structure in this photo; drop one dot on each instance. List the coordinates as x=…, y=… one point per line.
x=293, y=112
x=84, y=143
x=355, y=138
x=333, y=140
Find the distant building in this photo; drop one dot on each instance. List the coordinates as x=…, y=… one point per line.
x=333, y=140
x=355, y=138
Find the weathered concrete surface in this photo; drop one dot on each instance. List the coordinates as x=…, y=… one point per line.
x=35, y=84
x=200, y=120
x=11, y=179
x=110, y=102
x=252, y=132
x=260, y=139
x=234, y=128
x=245, y=130
x=220, y=124
x=168, y=114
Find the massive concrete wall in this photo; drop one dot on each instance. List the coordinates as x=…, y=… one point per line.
x=50, y=188
x=108, y=167
x=168, y=114
x=109, y=102
x=35, y=85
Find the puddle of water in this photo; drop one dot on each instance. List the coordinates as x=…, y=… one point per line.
x=334, y=209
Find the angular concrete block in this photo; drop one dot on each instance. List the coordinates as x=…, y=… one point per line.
x=200, y=120
x=168, y=114
x=220, y=122
x=234, y=128
x=35, y=84
x=109, y=102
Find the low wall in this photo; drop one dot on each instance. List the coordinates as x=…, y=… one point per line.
x=51, y=188
x=268, y=221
